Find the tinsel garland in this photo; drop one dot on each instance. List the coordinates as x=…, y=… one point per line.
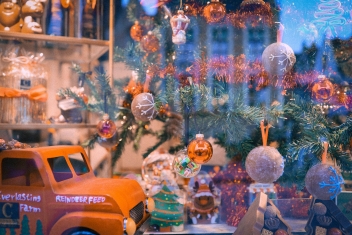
x=238, y=70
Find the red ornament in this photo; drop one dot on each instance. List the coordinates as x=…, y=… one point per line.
x=179, y=24
x=136, y=31
x=106, y=127
x=323, y=89
x=334, y=231
x=280, y=232
x=150, y=43
x=200, y=150
x=214, y=12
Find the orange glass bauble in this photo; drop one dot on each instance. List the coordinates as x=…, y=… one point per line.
x=323, y=89
x=136, y=31
x=214, y=12
x=106, y=128
x=200, y=150
x=150, y=43
x=190, y=9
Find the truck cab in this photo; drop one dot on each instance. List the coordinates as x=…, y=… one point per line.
x=53, y=190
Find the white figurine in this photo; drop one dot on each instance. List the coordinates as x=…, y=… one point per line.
x=179, y=24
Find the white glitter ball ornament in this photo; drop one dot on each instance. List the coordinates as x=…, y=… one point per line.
x=264, y=164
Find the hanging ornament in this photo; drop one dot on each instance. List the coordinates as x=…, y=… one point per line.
x=324, y=181
x=179, y=24
x=106, y=127
x=109, y=143
x=65, y=3
x=264, y=164
x=214, y=12
x=322, y=89
x=251, y=5
x=200, y=150
x=184, y=166
x=278, y=58
x=190, y=9
x=143, y=107
x=150, y=43
x=157, y=170
x=136, y=31
x=254, y=12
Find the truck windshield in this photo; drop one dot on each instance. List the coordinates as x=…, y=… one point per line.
x=60, y=168
x=79, y=164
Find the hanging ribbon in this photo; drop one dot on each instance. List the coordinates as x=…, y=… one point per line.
x=265, y=132
x=37, y=93
x=325, y=153
x=148, y=78
x=280, y=32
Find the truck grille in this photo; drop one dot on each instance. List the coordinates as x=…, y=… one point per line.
x=136, y=213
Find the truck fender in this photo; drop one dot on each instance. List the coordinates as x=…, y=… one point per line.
x=101, y=223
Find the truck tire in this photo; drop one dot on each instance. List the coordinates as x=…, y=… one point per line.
x=80, y=231
x=83, y=232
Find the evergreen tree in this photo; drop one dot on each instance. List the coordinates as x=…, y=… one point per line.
x=168, y=211
x=39, y=228
x=12, y=231
x=25, y=229
x=226, y=95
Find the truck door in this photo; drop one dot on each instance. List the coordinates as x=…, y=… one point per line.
x=21, y=197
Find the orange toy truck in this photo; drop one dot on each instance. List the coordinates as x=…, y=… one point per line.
x=53, y=190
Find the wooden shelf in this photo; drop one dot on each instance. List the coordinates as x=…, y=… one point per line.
x=65, y=49
x=40, y=126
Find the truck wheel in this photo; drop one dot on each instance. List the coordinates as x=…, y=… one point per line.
x=80, y=231
x=83, y=233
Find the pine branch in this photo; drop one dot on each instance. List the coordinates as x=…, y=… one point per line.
x=90, y=142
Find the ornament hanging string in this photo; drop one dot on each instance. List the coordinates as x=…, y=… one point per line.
x=280, y=32
x=265, y=132
x=105, y=103
x=325, y=153
x=148, y=78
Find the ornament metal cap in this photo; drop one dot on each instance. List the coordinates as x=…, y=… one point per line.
x=106, y=117
x=199, y=136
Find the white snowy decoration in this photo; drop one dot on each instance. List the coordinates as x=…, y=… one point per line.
x=143, y=107
x=278, y=58
x=179, y=24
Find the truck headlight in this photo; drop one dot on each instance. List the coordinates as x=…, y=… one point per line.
x=150, y=204
x=129, y=226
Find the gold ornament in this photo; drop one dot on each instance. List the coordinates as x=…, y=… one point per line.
x=323, y=89
x=136, y=31
x=200, y=150
x=150, y=42
x=214, y=12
